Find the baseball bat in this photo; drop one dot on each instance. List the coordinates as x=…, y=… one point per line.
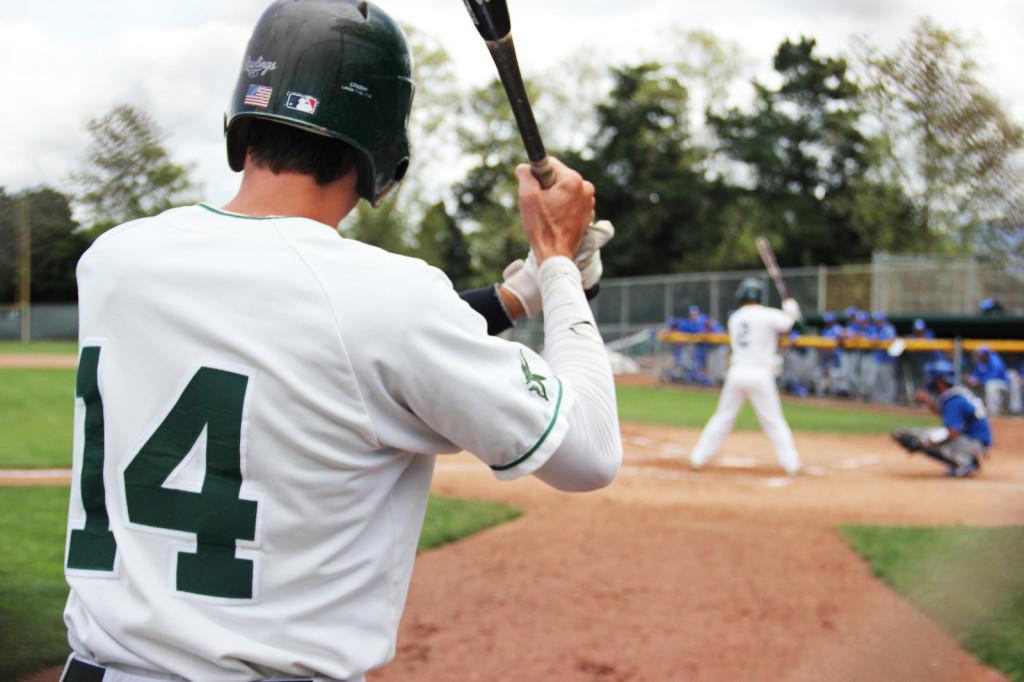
x=495, y=27
x=772, y=266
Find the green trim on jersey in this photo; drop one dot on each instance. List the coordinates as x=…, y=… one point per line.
x=229, y=214
x=554, y=418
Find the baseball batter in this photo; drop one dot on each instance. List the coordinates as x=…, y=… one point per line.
x=260, y=402
x=754, y=332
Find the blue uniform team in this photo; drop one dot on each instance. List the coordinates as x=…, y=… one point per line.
x=965, y=435
x=864, y=374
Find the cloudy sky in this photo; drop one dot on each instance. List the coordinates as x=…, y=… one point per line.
x=65, y=61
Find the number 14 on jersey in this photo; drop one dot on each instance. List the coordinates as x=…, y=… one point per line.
x=213, y=402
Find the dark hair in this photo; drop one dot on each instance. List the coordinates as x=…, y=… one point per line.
x=286, y=149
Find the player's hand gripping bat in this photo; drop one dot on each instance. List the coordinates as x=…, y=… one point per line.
x=495, y=27
x=772, y=266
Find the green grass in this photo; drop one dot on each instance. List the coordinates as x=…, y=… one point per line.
x=39, y=347
x=37, y=415
x=32, y=529
x=970, y=580
x=37, y=408
x=32, y=633
x=449, y=519
x=675, y=407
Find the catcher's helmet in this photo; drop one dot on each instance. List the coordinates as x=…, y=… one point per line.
x=751, y=290
x=338, y=68
x=939, y=369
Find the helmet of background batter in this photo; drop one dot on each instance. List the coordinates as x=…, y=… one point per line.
x=939, y=369
x=751, y=290
x=337, y=68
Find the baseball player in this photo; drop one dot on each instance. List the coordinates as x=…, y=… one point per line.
x=965, y=434
x=831, y=379
x=883, y=384
x=260, y=402
x=852, y=359
x=920, y=330
x=990, y=375
x=754, y=331
x=718, y=355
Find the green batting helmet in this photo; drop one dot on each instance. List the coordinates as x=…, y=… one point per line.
x=751, y=290
x=338, y=68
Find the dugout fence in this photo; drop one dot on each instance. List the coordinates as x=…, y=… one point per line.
x=632, y=314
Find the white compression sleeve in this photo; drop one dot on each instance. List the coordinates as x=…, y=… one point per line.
x=591, y=453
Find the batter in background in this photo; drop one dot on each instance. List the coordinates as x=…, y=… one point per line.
x=754, y=331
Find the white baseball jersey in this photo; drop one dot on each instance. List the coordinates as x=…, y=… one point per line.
x=259, y=403
x=754, y=335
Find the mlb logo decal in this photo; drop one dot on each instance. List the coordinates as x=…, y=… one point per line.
x=304, y=103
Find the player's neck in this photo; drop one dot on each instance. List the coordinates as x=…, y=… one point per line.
x=292, y=194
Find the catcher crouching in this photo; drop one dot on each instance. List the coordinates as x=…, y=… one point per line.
x=965, y=435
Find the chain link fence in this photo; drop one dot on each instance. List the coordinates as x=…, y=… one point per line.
x=631, y=311
x=898, y=286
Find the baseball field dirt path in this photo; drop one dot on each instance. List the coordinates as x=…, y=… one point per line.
x=39, y=361
x=735, y=573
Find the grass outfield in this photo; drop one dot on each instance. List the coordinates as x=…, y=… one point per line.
x=32, y=529
x=676, y=407
x=37, y=412
x=31, y=571
x=39, y=348
x=969, y=580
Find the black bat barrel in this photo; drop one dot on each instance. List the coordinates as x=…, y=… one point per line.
x=491, y=18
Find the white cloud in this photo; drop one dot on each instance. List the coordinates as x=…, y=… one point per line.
x=178, y=59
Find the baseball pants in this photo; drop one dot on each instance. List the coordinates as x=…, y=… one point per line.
x=883, y=387
x=1016, y=392
x=956, y=452
x=853, y=370
x=995, y=391
x=758, y=386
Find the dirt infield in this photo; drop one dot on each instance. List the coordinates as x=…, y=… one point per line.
x=732, y=573
x=39, y=361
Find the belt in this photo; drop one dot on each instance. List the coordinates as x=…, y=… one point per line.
x=80, y=671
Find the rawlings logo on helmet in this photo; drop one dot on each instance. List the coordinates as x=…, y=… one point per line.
x=357, y=48
x=255, y=68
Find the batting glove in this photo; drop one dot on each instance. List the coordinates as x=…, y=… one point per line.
x=791, y=308
x=521, y=275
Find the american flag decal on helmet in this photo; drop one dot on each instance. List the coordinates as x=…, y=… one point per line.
x=258, y=96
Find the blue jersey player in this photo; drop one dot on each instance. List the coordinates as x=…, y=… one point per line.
x=965, y=434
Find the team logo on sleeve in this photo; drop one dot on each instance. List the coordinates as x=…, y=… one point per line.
x=304, y=103
x=534, y=382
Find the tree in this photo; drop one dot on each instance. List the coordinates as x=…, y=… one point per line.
x=813, y=171
x=385, y=226
x=643, y=166
x=948, y=137
x=442, y=244
x=436, y=109
x=707, y=65
x=57, y=244
x=432, y=130
x=128, y=173
x=487, y=198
